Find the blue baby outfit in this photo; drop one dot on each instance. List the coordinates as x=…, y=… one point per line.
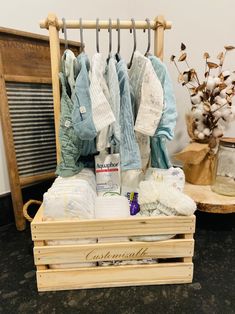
x=168, y=120
x=75, y=152
x=70, y=144
x=129, y=149
x=159, y=154
x=114, y=91
x=82, y=114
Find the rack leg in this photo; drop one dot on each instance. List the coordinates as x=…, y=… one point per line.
x=159, y=37
x=53, y=27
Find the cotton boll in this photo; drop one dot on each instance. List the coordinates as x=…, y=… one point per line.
x=230, y=117
x=217, y=132
x=201, y=136
x=216, y=90
x=214, y=107
x=228, y=81
x=201, y=106
x=226, y=73
x=226, y=113
x=233, y=110
x=197, y=113
x=220, y=101
x=233, y=114
x=207, y=131
x=229, y=86
x=217, y=114
x=229, y=90
x=210, y=83
x=200, y=127
x=196, y=99
x=198, y=121
x=223, y=93
x=217, y=98
x=217, y=80
x=223, y=101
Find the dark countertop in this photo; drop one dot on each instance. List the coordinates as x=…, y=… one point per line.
x=212, y=290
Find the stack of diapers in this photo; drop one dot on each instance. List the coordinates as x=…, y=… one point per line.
x=173, y=176
x=161, y=199
x=71, y=198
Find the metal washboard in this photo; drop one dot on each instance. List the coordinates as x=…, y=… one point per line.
x=32, y=121
x=27, y=111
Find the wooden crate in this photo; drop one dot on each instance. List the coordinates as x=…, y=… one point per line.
x=174, y=255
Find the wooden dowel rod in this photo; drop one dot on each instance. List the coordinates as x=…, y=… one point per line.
x=55, y=69
x=104, y=24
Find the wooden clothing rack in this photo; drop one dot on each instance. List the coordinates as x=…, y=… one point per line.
x=53, y=24
x=174, y=264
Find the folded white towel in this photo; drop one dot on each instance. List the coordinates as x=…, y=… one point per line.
x=112, y=207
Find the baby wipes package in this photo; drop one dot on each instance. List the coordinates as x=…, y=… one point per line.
x=107, y=169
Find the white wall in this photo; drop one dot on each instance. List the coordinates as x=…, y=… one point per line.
x=201, y=25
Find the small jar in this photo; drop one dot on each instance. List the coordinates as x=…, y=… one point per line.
x=224, y=176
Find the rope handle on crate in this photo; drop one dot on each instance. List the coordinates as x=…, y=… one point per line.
x=26, y=206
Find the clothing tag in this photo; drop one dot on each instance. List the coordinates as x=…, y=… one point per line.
x=107, y=168
x=67, y=123
x=82, y=109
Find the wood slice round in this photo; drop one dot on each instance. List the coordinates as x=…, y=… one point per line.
x=209, y=201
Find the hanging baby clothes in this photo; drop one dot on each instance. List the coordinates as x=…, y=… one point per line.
x=113, y=86
x=88, y=146
x=147, y=95
x=136, y=73
x=70, y=69
x=82, y=112
x=159, y=154
x=101, y=110
x=70, y=143
x=73, y=72
x=82, y=154
x=151, y=102
x=129, y=149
